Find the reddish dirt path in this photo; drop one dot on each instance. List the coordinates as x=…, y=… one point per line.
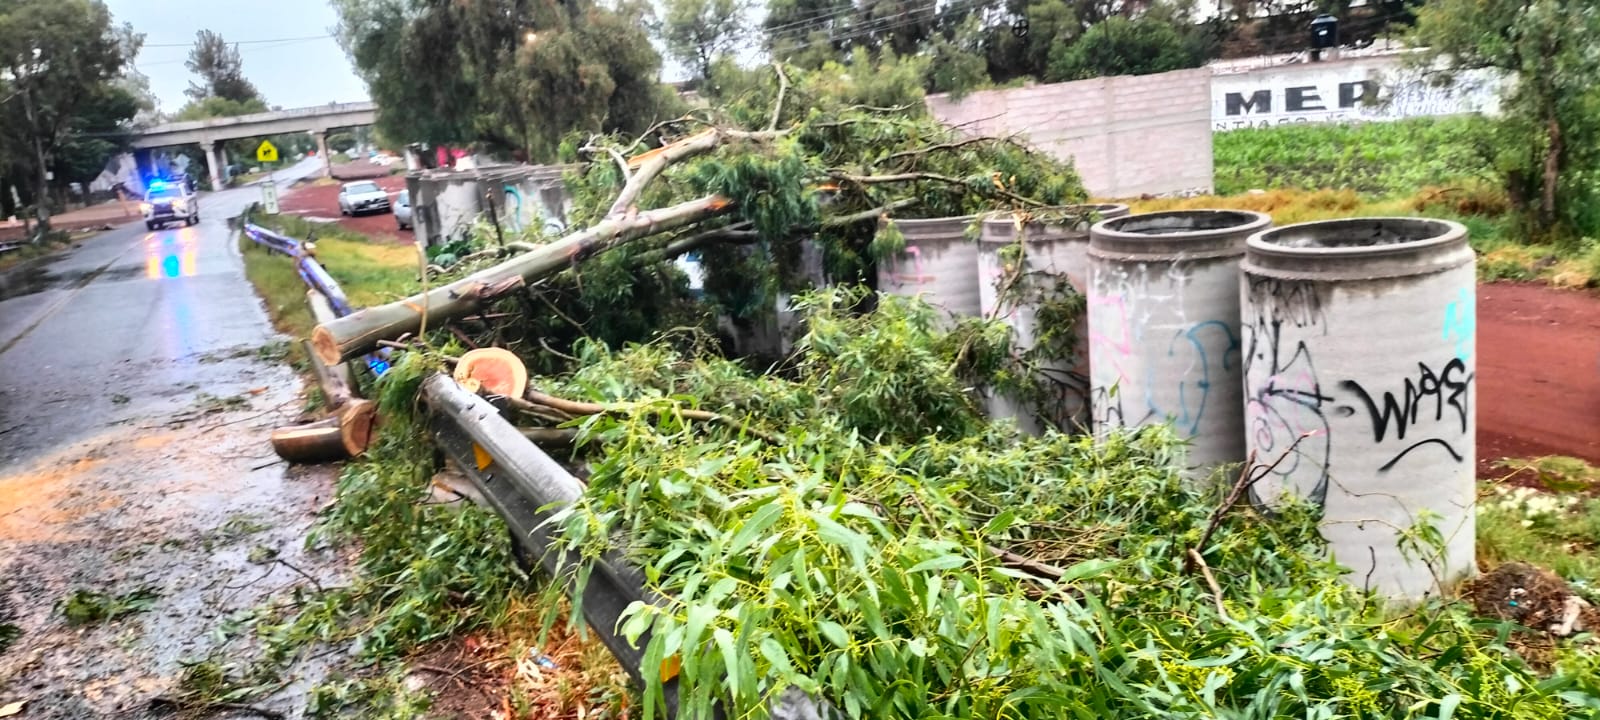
x=321, y=201
x=1538, y=374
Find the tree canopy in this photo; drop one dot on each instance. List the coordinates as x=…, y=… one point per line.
x=59, y=63
x=516, y=75
x=1547, y=144
x=220, y=71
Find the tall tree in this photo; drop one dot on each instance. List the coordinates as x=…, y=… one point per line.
x=220, y=68
x=1550, y=107
x=697, y=32
x=512, y=74
x=56, y=55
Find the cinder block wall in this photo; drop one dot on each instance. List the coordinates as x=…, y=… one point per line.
x=1127, y=135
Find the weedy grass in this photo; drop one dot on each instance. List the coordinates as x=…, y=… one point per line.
x=1546, y=511
x=369, y=272
x=85, y=607
x=1378, y=158
x=1430, y=167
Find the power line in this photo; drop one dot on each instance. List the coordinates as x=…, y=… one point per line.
x=241, y=42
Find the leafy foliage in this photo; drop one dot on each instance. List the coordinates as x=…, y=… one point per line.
x=1549, y=136
x=83, y=607
x=221, y=71
x=870, y=569
x=57, y=59
x=516, y=75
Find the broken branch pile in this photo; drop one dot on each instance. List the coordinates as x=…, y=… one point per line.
x=961, y=574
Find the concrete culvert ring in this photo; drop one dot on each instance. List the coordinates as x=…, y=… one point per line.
x=1360, y=248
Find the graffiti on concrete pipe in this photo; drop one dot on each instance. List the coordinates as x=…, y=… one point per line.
x=1429, y=396
x=1205, y=351
x=1461, y=323
x=1193, y=396
x=1285, y=404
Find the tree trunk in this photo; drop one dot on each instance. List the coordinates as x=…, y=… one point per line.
x=1552, y=172
x=320, y=441
x=338, y=381
x=359, y=332
x=345, y=435
x=42, y=195
x=355, y=425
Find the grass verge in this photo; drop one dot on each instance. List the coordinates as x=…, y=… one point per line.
x=1545, y=511
x=1432, y=167
x=369, y=272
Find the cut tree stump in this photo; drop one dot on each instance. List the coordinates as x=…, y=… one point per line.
x=355, y=425
x=321, y=441
x=345, y=435
x=496, y=371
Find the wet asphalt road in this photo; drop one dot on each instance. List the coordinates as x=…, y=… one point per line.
x=138, y=385
x=75, y=328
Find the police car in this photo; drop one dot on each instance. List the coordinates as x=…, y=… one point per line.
x=169, y=202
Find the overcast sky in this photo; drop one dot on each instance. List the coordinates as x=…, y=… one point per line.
x=294, y=73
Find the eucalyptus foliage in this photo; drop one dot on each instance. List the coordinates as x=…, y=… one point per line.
x=878, y=570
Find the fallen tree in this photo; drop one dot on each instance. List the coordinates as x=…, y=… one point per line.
x=805, y=166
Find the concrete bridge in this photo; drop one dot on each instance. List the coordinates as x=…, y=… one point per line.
x=208, y=133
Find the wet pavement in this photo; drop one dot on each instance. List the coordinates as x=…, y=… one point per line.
x=139, y=378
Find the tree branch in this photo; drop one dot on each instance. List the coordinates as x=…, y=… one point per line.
x=935, y=177
x=783, y=89
x=576, y=409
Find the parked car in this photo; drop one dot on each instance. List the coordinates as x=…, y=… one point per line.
x=166, y=202
x=402, y=209
x=364, y=196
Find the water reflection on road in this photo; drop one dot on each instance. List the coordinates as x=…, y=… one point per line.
x=171, y=255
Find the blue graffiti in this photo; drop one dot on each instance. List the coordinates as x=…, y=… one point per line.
x=1193, y=394
x=514, y=218
x=1461, y=323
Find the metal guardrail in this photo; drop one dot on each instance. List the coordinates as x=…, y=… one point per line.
x=517, y=479
x=524, y=485
x=315, y=277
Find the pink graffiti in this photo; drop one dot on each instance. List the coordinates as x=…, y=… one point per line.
x=918, y=277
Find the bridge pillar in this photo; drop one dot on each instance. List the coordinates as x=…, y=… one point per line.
x=322, y=152
x=213, y=164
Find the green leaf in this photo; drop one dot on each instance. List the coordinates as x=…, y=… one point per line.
x=944, y=562
x=754, y=525
x=776, y=657
x=1087, y=569
x=699, y=617
x=834, y=633
x=730, y=656
x=1448, y=705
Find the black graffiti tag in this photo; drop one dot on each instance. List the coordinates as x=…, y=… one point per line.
x=1430, y=395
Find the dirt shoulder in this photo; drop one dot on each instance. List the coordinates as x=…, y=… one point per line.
x=1538, y=373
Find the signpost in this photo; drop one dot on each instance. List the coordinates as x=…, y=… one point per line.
x=269, y=195
x=267, y=152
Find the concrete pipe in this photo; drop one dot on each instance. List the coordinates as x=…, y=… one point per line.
x=939, y=264
x=1164, y=327
x=1049, y=252
x=1359, y=362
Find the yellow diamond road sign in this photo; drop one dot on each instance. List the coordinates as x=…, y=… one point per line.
x=267, y=152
